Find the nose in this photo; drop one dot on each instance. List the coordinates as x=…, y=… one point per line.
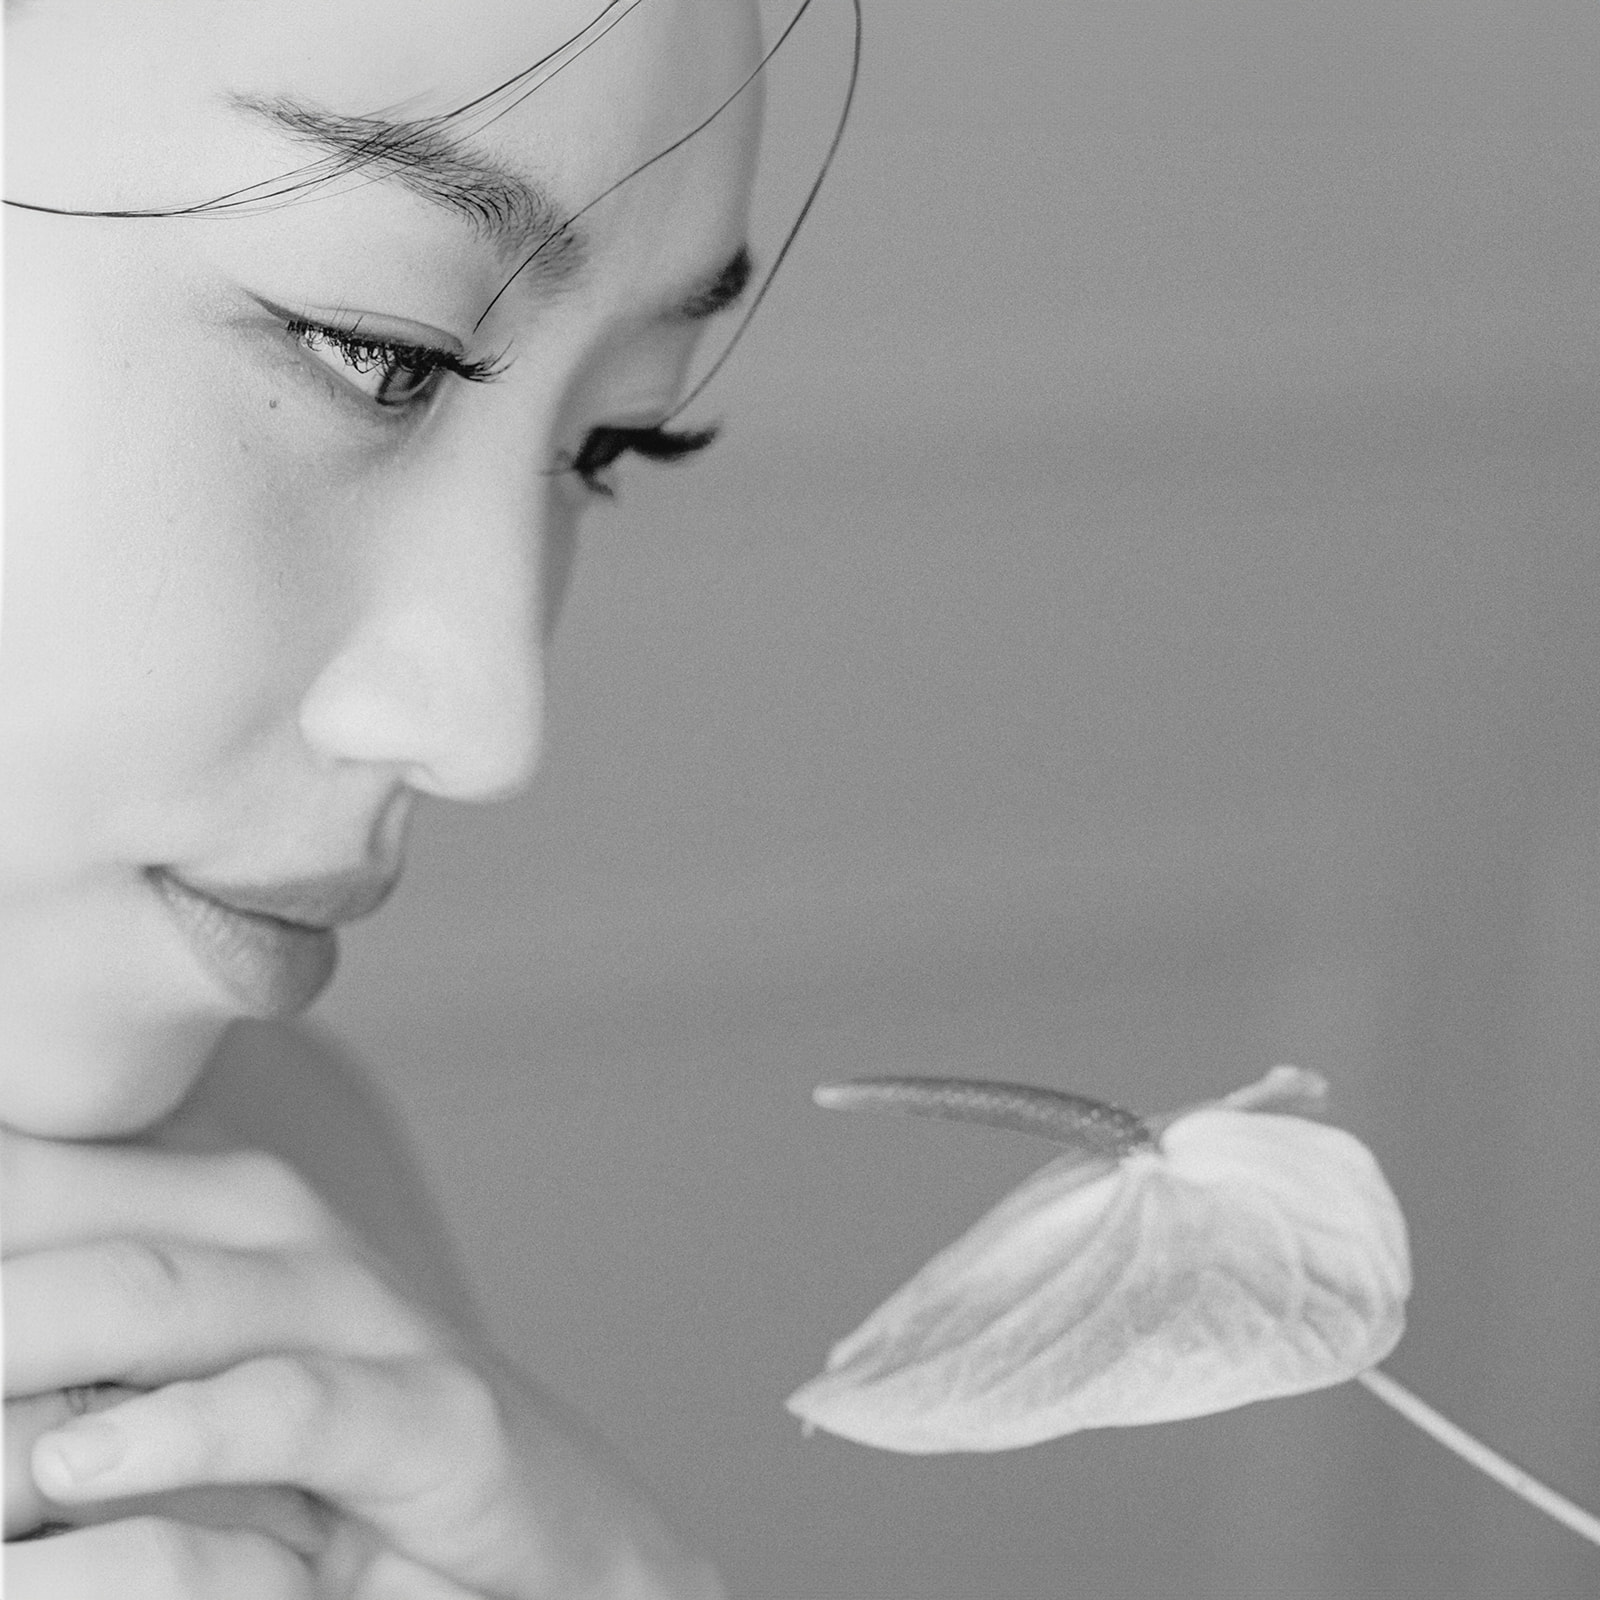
x=438, y=671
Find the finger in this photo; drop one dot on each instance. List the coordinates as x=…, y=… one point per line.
x=415, y=1449
x=144, y=1312
x=419, y=1450
x=26, y=1421
x=151, y=1558
x=348, y=1429
x=294, y=1519
x=288, y=1515
x=54, y=1193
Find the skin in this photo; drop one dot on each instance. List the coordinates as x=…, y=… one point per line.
x=250, y=616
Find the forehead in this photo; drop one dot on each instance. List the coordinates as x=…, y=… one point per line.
x=111, y=106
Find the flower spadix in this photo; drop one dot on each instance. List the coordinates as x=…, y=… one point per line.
x=1237, y=1254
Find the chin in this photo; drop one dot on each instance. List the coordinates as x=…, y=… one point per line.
x=74, y=1079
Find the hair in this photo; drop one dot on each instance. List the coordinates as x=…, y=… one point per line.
x=384, y=150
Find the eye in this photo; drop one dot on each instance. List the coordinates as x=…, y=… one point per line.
x=392, y=375
x=605, y=446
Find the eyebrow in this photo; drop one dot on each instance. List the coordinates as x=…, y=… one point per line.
x=515, y=214
x=519, y=217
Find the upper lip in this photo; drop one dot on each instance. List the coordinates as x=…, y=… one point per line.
x=319, y=902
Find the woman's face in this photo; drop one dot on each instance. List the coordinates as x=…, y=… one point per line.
x=287, y=525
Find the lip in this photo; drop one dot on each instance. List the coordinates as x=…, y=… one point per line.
x=272, y=946
x=323, y=902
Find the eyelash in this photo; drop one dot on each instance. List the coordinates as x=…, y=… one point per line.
x=601, y=449
x=370, y=355
x=605, y=446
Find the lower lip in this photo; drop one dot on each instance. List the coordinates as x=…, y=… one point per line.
x=272, y=968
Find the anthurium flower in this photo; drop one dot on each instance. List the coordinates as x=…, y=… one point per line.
x=1236, y=1254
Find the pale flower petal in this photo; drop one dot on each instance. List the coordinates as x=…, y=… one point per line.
x=1246, y=1255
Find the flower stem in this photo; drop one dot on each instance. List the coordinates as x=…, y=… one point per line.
x=1480, y=1455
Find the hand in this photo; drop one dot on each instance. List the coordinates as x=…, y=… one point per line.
x=276, y=1350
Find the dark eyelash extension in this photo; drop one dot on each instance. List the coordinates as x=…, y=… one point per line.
x=605, y=446
x=368, y=355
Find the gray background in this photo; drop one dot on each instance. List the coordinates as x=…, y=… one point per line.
x=1139, y=627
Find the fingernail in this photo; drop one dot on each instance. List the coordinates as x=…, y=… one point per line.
x=77, y=1454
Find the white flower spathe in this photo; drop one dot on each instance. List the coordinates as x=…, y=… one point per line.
x=1245, y=1255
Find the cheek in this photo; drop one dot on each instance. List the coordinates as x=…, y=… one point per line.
x=153, y=636
x=162, y=594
